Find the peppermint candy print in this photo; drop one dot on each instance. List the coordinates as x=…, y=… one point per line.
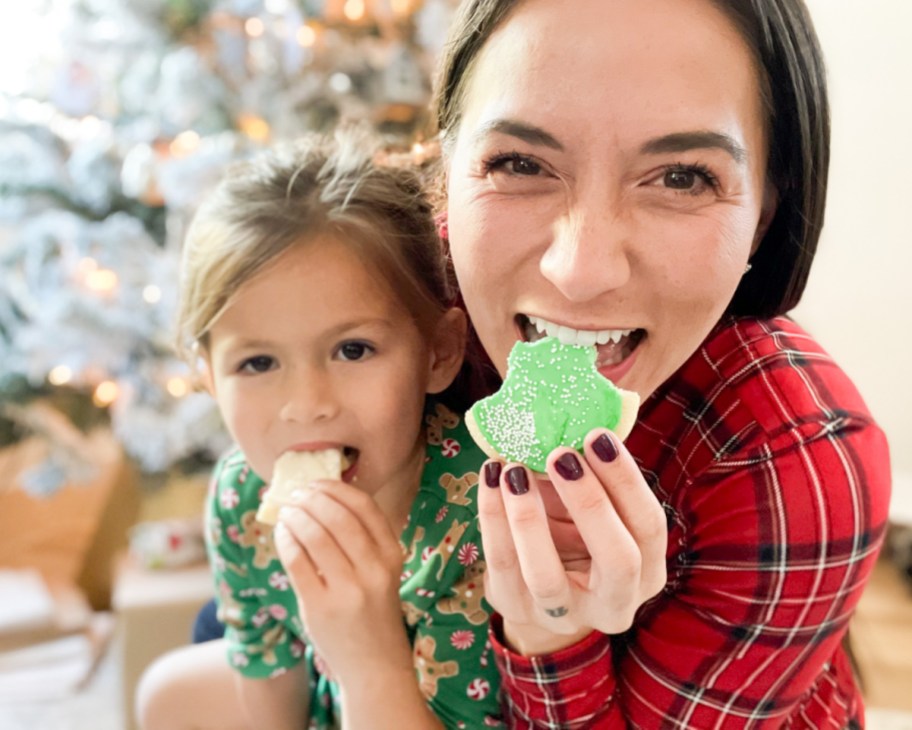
x=260, y=617
x=279, y=581
x=478, y=689
x=229, y=498
x=424, y=593
x=278, y=611
x=239, y=659
x=234, y=533
x=428, y=551
x=441, y=514
x=467, y=554
x=462, y=639
x=450, y=448
x=492, y=721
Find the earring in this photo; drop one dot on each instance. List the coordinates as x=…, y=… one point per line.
x=747, y=268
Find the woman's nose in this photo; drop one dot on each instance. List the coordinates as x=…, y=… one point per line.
x=588, y=254
x=308, y=396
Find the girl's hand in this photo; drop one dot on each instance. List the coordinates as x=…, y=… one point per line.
x=344, y=563
x=582, y=551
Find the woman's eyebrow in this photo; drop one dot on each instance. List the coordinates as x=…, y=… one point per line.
x=526, y=132
x=685, y=141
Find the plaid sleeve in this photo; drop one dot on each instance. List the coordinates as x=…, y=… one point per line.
x=572, y=688
x=776, y=515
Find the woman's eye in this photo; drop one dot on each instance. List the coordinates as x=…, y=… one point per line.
x=514, y=164
x=257, y=364
x=352, y=351
x=692, y=179
x=680, y=179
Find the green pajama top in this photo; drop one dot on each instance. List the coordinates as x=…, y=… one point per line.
x=441, y=589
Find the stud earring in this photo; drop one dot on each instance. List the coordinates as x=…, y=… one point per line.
x=747, y=268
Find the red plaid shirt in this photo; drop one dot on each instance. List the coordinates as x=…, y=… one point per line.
x=776, y=483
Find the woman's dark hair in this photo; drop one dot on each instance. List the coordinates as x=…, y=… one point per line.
x=781, y=36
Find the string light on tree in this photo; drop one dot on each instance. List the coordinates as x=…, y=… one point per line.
x=178, y=387
x=152, y=294
x=254, y=27
x=106, y=393
x=60, y=375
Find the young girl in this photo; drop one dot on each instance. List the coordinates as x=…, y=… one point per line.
x=314, y=292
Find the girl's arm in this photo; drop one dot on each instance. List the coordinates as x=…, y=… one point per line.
x=277, y=703
x=261, y=652
x=345, y=563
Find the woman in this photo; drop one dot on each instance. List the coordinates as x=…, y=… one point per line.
x=657, y=169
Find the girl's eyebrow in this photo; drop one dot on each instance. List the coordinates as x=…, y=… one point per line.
x=701, y=139
x=351, y=324
x=526, y=132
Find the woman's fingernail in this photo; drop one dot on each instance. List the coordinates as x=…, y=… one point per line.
x=492, y=473
x=517, y=480
x=568, y=467
x=604, y=448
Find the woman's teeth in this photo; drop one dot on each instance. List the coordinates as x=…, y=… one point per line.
x=568, y=336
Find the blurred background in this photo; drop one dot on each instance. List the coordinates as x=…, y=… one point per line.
x=115, y=117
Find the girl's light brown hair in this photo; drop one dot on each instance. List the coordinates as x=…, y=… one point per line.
x=291, y=196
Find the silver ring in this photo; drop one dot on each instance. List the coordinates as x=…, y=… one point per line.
x=557, y=612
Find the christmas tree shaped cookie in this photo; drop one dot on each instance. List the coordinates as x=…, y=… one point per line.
x=552, y=396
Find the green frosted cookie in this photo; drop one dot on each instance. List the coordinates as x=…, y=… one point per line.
x=552, y=396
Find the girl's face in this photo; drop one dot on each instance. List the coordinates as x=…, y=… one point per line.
x=316, y=352
x=607, y=180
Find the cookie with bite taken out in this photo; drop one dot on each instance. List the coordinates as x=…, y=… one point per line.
x=553, y=395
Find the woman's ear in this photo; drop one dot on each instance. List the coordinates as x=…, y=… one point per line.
x=767, y=213
x=447, y=349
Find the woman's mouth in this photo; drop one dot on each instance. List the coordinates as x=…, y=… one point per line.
x=613, y=345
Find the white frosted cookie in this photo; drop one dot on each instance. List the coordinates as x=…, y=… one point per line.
x=295, y=470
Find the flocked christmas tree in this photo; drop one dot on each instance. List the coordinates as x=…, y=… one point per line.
x=123, y=114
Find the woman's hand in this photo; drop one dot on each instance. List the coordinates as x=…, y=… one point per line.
x=582, y=551
x=344, y=563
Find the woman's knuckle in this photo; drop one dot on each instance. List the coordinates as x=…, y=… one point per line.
x=501, y=562
x=524, y=516
x=545, y=588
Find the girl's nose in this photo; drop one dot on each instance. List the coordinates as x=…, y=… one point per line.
x=308, y=396
x=589, y=253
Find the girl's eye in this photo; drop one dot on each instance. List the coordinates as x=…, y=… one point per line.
x=257, y=364
x=513, y=164
x=354, y=351
x=693, y=179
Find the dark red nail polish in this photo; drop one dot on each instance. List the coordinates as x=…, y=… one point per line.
x=492, y=473
x=568, y=467
x=517, y=480
x=604, y=448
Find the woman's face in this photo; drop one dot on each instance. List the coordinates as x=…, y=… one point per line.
x=607, y=180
